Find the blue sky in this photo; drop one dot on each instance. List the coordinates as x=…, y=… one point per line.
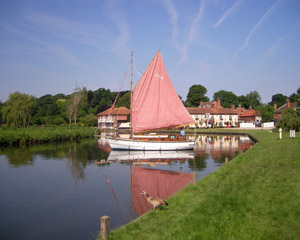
x=49, y=46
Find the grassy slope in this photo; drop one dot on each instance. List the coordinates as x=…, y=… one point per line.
x=255, y=196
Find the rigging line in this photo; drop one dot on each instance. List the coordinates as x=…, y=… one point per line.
x=113, y=193
x=137, y=71
x=117, y=95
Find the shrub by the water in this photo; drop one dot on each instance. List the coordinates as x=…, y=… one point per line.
x=10, y=137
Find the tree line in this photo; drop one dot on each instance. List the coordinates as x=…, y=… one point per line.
x=82, y=106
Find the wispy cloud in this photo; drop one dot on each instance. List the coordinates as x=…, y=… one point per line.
x=88, y=34
x=113, y=11
x=56, y=49
x=173, y=17
x=63, y=54
x=193, y=29
x=229, y=12
x=261, y=20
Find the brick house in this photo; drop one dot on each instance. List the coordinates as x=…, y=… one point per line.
x=112, y=119
x=249, y=115
x=278, y=111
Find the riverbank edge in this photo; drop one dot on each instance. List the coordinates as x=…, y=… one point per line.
x=241, y=200
x=40, y=135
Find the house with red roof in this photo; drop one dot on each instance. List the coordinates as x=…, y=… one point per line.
x=113, y=118
x=213, y=114
x=278, y=111
x=249, y=115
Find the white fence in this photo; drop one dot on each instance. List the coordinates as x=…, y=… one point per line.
x=268, y=125
x=247, y=125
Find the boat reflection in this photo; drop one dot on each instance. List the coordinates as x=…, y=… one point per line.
x=160, y=157
x=156, y=182
x=160, y=173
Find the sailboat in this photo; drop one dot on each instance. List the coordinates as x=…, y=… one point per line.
x=155, y=105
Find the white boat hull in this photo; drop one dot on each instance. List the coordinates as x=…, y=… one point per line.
x=125, y=155
x=129, y=144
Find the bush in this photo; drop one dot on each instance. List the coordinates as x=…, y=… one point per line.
x=289, y=120
x=43, y=135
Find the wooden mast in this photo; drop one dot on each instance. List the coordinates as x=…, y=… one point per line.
x=131, y=94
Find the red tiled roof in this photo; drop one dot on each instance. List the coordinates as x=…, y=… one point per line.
x=250, y=113
x=283, y=107
x=215, y=111
x=115, y=111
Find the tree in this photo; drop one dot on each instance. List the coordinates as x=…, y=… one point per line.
x=289, y=120
x=74, y=104
x=1, y=106
x=196, y=94
x=295, y=97
x=279, y=99
x=17, y=110
x=244, y=101
x=254, y=99
x=227, y=98
x=124, y=100
x=266, y=112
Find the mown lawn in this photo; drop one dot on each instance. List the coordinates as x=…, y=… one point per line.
x=255, y=196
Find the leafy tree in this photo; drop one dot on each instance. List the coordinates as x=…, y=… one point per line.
x=89, y=120
x=124, y=100
x=279, y=99
x=227, y=98
x=17, y=110
x=295, y=97
x=266, y=112
x=1, y=106
x=289, y=120
x=244, y=101
x=254, y=99
x=196, y=94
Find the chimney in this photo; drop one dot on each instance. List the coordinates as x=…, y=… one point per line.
x=232, y=106
x=219, y=102
x=200, y=104
x=250, y=107
x=275, y=106
x=214, y=105
x=288, y=103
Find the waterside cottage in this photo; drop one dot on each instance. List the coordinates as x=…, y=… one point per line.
x=113, y=119
x=213, y=114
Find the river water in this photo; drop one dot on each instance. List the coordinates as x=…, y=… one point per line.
x=60, y=191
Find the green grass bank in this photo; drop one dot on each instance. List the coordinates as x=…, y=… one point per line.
x=20, y=137
x=255, y=196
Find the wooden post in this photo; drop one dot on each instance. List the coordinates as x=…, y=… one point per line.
x=226, y=160
x=104, y=226
x=280, y=133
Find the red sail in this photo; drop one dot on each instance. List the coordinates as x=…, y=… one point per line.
x=155, y=103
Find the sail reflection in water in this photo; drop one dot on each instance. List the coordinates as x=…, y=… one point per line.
x=156, y=182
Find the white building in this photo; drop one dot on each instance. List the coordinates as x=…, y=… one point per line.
x=213, y=114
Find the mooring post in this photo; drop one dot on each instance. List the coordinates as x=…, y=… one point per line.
x=104, y=226
x=280, y=133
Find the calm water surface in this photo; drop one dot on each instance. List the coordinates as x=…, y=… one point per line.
x=60, y=191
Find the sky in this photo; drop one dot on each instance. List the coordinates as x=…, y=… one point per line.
x=50, y=46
